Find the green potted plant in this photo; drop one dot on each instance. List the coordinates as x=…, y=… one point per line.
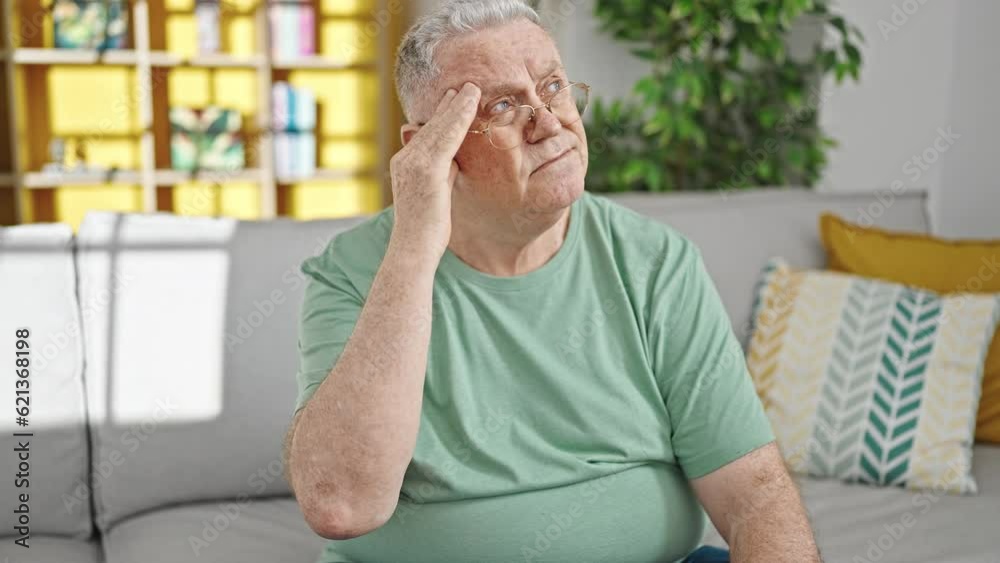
x=724, y=106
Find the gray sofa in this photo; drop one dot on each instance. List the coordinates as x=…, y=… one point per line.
x=164, y=353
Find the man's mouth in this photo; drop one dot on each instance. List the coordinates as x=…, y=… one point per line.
x=559, y=157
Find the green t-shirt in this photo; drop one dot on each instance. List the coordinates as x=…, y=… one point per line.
x=563, y=409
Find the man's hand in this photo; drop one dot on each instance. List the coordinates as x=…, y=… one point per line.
x=423, y=173
x=755, y=505
x=346, y=469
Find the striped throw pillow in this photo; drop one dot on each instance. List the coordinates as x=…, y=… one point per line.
x=870, y=381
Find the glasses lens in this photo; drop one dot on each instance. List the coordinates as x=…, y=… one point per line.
x=507, y=129
x=570, y=103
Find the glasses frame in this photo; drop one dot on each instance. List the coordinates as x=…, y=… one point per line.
x=547, y=105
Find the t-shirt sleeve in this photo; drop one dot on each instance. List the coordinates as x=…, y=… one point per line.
x=715, y=414
x=330, y=309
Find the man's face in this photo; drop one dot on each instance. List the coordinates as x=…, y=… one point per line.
x=514, y=64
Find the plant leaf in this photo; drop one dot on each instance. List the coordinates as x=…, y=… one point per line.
x=681, y=9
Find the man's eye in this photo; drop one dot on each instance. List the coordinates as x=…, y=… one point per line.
x=555, y=86
x=501, y=106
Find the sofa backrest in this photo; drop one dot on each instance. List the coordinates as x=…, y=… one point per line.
x=38, y=294
x=738, y=232
x=191, y=363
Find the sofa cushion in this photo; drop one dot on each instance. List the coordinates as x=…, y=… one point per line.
x=872, y=381
x=231, y=531
x=38, y=293
x=191, y=366
x=738, y=232
x=50, y=549
x=863, y=524
x=942, y=265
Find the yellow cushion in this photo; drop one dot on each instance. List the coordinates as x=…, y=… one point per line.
x=944, y=266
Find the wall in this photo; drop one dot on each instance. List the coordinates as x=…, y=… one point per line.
x=903, y=98
x=923, y=114
x=969, y=194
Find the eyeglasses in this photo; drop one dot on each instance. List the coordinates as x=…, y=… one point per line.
x=506, y=130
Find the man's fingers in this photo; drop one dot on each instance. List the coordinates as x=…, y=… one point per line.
x=446, y=131
x=426, y=129
x=445, y=101
x=452, y=174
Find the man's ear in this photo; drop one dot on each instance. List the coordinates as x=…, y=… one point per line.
x=407, y=131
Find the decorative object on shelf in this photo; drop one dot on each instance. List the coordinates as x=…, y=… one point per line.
x=295, y=154
x=294, y=108
x=80, y=156
x=294, y=124
x=90, y=24
x=57, y=155
x=68, y=156
x=206, y=14
x=206, y=139
x=293, y=29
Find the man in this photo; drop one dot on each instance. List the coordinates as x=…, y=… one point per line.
x=502, y=367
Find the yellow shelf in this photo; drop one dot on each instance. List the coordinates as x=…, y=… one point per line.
x=340, y=198
x=71, y=204
x=118, y=101
x=232, y=199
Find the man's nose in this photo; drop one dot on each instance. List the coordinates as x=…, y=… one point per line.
x=544, y=125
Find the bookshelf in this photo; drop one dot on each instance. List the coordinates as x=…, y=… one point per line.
x=118, y=100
